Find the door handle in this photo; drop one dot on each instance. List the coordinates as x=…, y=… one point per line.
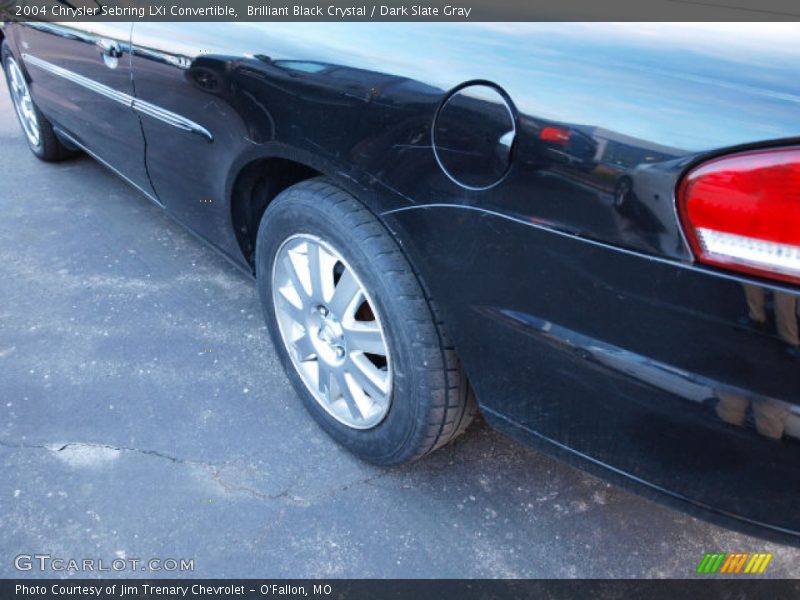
x=109, y=48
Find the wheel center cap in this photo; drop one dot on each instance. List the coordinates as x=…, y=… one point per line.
x=329, y=336
x=331, y=333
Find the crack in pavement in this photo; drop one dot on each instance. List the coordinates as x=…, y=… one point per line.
x=216, y=472
x=62, y=447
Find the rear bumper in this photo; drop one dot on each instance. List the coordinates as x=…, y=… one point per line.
x=653, y=371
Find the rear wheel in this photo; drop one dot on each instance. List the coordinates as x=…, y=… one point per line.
x=39, y=133
x=354, y=329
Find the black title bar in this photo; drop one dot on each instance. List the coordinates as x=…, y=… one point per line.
x=394, y=10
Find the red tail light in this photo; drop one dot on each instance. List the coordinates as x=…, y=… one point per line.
x=555, y=134
x=742, y=212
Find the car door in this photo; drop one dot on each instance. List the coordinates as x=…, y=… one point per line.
x=194, y=129
x=81, y=80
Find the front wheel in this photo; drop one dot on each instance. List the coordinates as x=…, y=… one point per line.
x=38, y=131
x=355, y=332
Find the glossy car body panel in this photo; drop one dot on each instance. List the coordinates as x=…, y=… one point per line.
x=567, y=285
x=634, y=363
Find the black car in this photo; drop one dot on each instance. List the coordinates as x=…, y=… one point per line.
x=591, y=233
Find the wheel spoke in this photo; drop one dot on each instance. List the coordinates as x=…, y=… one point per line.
x=354, y=404
x=304, y=348
x=15, y=86
x=285, y=306
x=364, y=403
x=345, y=294
x=365, y=336
x=315, y=271
x=369, y=378
x=325, y=375
x=294, y=277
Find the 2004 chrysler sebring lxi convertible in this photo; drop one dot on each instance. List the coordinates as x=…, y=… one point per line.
x=597, y=226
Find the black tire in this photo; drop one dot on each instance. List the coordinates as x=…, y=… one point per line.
x=431, y=402
x=49, y=148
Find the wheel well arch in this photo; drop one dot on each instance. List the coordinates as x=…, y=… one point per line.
x=256, y=184
x=256, y=177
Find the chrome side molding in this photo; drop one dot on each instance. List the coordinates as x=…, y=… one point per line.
x=85, y=82
x=170, y=118
x=140, y=106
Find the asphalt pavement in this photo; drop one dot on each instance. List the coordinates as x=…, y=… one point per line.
x=144, y=415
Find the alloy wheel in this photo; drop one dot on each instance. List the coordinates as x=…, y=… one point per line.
x=332, y=331
x=23, y=104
